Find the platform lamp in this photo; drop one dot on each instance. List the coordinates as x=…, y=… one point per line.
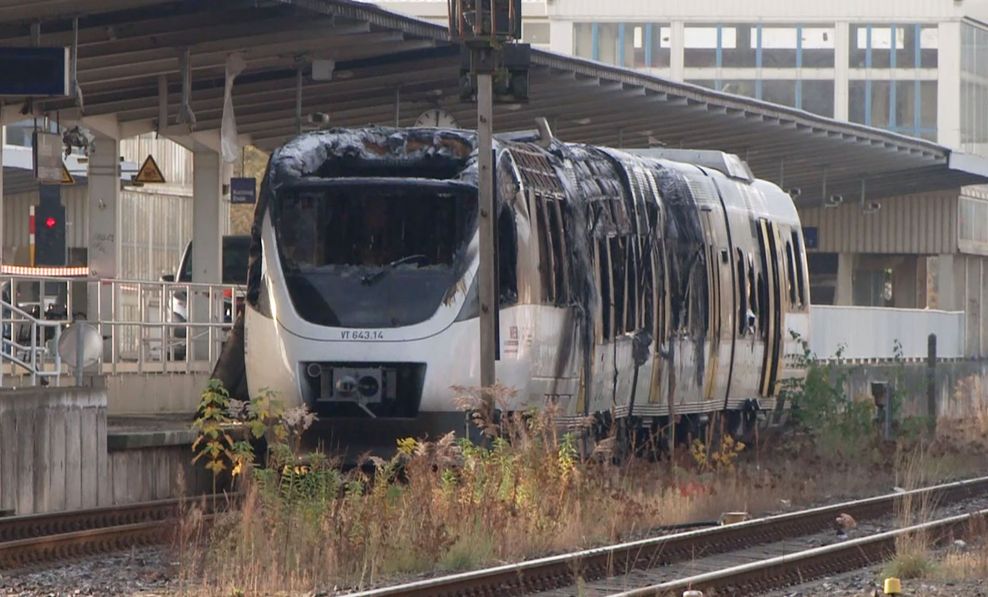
x=494, y=68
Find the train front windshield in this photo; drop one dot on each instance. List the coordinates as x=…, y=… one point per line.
x=373, y=255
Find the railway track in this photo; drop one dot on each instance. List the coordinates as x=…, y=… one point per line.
x=34, y=539
x=556, y=574
x=791, y=569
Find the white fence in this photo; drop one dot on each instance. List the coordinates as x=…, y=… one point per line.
x=871, y=332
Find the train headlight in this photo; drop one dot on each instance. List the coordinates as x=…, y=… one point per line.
x=314, y=369
x=369, y=386
x=346, y=385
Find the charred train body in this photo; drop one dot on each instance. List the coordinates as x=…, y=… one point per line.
x=631, y=286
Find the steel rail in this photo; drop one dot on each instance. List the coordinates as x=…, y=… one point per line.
x=796, y=568
x=27, y=552
x=34, y=538
x=564, y=570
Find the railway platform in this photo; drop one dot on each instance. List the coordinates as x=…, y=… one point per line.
x=61, y=451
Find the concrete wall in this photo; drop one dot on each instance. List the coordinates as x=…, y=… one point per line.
x=139, y=475
x=154, y=393
x=54, y=454
x=53, y=449
x=961, y=386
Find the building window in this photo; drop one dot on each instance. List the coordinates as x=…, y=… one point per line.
x=743, y=54
x=974, y=89
x=703, y=47
x=583, y=35
x=893, y=46
x=758, y=46
x=817, y=97
x=535, y=33
x=661, y=44
x=779, y=46
x=908, y=107
x=635, y=45
x=817, y=47
x=781, y=92
x=745, y=87
x=606, y=46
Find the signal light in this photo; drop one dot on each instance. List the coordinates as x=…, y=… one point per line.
x=50, y=230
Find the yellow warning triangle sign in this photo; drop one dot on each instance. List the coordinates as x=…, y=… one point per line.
x=149, y=172
x=66, y=176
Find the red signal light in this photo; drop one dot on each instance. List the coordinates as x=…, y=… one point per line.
x=50, y=222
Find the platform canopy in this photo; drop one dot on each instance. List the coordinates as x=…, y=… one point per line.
x=390, y=68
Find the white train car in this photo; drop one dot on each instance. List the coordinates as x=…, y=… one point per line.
x=633, y=288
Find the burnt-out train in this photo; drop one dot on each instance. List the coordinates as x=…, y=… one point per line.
x=639, y=287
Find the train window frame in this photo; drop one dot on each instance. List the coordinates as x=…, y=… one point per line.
x=791, y=276
x=507, y=257
x=742, y=290
x=753, y=296
x=550, y=228
x=797, y=241
x=546, y=264
x=605, y=286
x=636, y=283
x=648, y=286
x=619, y=280
x=557, y=241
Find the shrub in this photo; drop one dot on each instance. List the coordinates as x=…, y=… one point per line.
x=450, y=503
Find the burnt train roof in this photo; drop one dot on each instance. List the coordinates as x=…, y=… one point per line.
x=451, y=151
x=450, y=154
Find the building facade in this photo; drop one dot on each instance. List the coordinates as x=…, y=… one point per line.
x=158, y=217
x=916, y=67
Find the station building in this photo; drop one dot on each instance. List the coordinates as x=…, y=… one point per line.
x=915, y=67
x=158, y=217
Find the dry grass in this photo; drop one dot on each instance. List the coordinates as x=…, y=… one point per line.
x=964, y=564
x=451, y=505
x=916, y=553
x=917, y=558
x=913, y=558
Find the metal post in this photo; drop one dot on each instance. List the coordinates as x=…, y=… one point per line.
x=931, y=383
x=889, y=414
x=485, y=184
x=3, y=141
x=140, y=329
x=78, y=353
x=34, y=353
x=209, y=324
x=165, y=339
x=298, y=98
x=58, y=357
x=188, y=328
x=114, y=328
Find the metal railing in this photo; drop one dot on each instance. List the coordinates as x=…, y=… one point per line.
x=146, y=327
x=30, y=345
x=164, y=326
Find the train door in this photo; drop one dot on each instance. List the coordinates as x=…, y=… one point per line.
x=770, y=304
x=720, y=284
x=721, y=299
x=555, y=355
